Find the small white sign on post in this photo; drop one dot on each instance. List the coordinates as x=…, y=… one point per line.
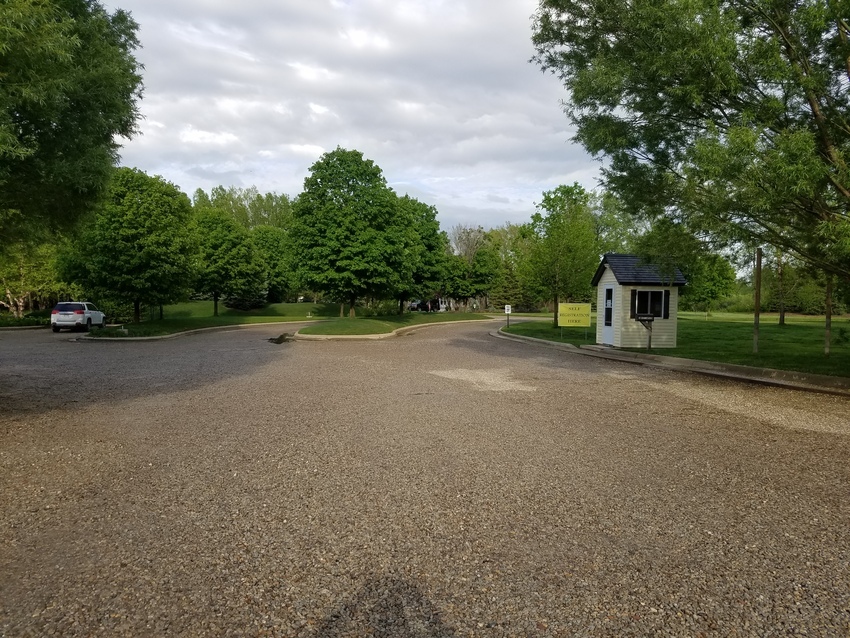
x=507, y=310
x=508, y=315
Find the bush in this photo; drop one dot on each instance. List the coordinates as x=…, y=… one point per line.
x=8, y=320
x=738, y=302
x=245, y=303
x=383, y=308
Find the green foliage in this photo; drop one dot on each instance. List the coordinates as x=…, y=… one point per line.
x=272, y=246
x=426, y=250
x=69, y=85
x=247, y=206
x=474, y=268
x=791, y=287
x=228, y=264
x=564, y=253
x=670, y=246
x=616, y=229
x=735, y=114
x=28, y=276
x=710, y=279
x=138, y=249
x=351, y=238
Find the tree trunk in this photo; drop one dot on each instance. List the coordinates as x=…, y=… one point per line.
x=161, y=314
x=137, y=311
x=780, y=271
x=757, y=313
x=341, y=310
x=557, y=307
x=215, y=304
x=828, y=332
x=351, y=313
x=401, y=306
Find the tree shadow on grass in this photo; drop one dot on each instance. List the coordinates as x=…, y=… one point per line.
x=387, y=606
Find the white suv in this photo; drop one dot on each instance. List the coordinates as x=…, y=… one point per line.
x=76, y=314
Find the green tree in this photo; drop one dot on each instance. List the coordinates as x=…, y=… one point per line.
x=228, y=263
x=139, y=246
x=458, y=283
x=28, y=276
x=710, y=279
x=425, y=260
x=347, y=231
x=69, y=86
x=616, y=228
x=272, y=246
x=247, y=206
x=515, y=285
x=670, y=246
x=565, y=251
x=736, y=114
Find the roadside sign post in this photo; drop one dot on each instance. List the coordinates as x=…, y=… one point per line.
x=508, y=315
x=646, y=320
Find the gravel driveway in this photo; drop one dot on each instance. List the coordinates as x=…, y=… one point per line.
x=443, y=483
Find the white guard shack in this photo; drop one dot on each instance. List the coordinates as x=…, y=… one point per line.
x=628, y=291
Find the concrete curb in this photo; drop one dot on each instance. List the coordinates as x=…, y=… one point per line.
x=766, y=376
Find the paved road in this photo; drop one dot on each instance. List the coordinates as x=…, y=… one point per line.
x=440, y=484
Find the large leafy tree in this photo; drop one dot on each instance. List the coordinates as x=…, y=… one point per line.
x=348, y=233
x=272, y=245
x=565, y=251
x=69, y=86
x=28, y=276
x=426, y=246
x=734, y=113
x=139, y=246
x=228, y=263
x=515, y=284
x=474, y=268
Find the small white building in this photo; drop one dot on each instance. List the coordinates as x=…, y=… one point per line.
x=626, y=290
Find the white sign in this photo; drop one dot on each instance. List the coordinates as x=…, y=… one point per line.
x=507, y=310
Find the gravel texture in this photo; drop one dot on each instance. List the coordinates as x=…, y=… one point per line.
x=444, y=483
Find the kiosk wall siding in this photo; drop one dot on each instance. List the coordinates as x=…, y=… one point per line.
x=608, y=279
x=634, y=335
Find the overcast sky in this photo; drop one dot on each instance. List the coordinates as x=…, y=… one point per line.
x=438, y=93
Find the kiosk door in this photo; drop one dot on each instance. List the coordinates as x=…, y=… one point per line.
x=608, y=316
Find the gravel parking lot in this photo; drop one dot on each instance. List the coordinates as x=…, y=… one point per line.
x=444, y=483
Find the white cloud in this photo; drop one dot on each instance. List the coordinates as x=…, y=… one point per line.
x=311, y=72
x=194, y=136
x=362, y=38
x=309, y=150
x=439, y=93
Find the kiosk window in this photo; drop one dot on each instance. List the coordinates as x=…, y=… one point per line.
x=651, y=302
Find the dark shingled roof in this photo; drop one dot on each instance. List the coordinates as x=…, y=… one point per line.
x=629, y=271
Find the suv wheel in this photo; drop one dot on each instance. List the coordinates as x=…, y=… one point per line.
x=103, y=323
x=87, y=327
x=55, y=328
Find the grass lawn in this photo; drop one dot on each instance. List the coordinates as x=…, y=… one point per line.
x=199, y=314
x=728, y=338
x=193, y=315
x=383, y=325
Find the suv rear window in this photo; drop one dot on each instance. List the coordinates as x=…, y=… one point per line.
x=69, y=307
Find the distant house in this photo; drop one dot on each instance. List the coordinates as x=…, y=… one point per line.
x=626, y=289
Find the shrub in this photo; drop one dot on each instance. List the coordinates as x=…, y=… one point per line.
x=245, y=303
